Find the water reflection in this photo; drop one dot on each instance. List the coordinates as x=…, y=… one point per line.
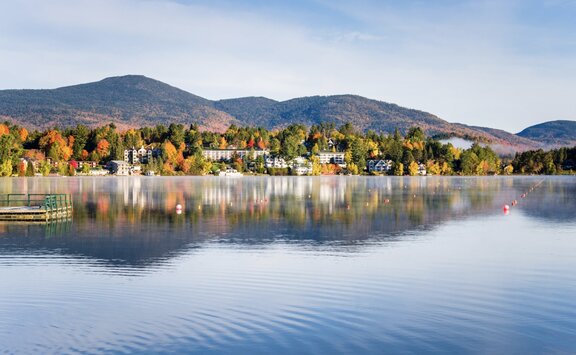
x=293, y=265
x=134, y=220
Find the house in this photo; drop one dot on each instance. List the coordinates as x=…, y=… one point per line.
x=118, y=167
x=421, y=169
x=275, y=162
x=301, y=166
x=228, y=154
x=332, y=158
x=379, y=165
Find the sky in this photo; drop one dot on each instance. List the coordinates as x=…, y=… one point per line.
x=504, y=64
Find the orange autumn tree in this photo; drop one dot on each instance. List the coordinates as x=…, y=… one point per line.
x=84, y=154
x=4, y=129
x=55, y=146
x=170, y=153
x=23, y=133
x=102, y=148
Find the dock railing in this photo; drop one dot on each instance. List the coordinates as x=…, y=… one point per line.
x=53, y=205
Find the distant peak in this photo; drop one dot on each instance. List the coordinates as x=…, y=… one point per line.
x=129, y=78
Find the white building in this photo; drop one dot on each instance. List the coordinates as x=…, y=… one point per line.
x=421, y=169
x=276, y=163
x=332, y=158
x=228, y=154
x=118, y=167
x=381, y=165
x=301, y=166
x=141, y=155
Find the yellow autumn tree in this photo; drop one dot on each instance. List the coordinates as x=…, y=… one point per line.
x=223, y=144
x=413, y=168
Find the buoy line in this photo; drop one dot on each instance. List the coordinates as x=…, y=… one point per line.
x=506, y=207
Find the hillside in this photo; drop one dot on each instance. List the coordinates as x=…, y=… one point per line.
x=127, y=101
x=135, y=100
x=552, y=133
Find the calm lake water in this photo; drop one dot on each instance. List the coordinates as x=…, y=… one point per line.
x=293, y=265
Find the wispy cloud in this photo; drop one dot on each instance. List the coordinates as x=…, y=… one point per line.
x=477, y=62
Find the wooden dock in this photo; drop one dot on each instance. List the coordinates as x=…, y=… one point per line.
x=35, y=207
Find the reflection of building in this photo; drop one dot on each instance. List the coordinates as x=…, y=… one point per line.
x=332, y=158
x=381, y=166
x=118, y=167
x=228, y=154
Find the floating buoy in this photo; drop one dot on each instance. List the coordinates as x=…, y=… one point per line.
x=178, y=211
x=178, y=206
x=506, y=208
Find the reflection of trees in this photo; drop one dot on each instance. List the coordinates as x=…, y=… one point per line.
x=282, y=200
x=134, y=219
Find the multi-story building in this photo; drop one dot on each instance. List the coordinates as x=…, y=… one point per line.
x=276, y=163
x=301, y=166
x=142, y=155
x=332, y=158
x=118, y=167
x=228, y=154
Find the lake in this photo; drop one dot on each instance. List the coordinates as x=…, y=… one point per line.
x=293, y=265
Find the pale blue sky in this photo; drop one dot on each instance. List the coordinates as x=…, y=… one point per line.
x=501, y=63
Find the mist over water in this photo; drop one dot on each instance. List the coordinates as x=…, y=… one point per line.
x=293, y=265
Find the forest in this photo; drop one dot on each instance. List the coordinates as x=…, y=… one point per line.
x=59, y=151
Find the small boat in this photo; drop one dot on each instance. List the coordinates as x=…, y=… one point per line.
x=230, y=172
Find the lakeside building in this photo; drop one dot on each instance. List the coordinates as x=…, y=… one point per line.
x=118, y=167
x=421, y=169
x=332, y=158
x=301, y=166
x=276, y=163
x=142, y=155
x=380, y=166
x=229, y=154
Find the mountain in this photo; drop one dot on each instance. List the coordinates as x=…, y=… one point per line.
x=552, y=133
x=135, y=101
x=128, y=101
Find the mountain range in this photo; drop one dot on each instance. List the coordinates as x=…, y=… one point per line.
x=136, y=101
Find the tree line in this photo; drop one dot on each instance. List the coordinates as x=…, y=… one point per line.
x=180, y=150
